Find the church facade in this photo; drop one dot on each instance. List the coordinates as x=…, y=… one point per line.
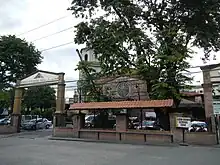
x=118, y=87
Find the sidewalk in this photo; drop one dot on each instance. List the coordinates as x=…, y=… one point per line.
x=8, y=135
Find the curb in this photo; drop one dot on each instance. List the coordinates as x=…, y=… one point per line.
x=131, y=143
x=8, y=135
x=110, y=142
x=183, y=144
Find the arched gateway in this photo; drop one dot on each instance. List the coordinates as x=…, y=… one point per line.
x=40, y=78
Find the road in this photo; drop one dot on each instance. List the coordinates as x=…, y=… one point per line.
x=34, y=148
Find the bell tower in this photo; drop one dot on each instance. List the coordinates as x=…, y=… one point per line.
x=88, y=55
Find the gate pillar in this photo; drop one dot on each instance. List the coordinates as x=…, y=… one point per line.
x=59, y=116
x=16, y=115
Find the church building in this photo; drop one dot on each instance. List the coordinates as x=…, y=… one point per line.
x=117, y=87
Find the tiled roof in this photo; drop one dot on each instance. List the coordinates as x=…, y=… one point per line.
x=123, y=104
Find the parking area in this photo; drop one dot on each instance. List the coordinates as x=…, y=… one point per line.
x=33, y=147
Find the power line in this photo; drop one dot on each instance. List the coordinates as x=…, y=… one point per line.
x=58, y=19
x=113, y=82
x=56, y=46
x=72, y=81
x=53, y=34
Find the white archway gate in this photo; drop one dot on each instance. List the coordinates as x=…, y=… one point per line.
x=40, y=78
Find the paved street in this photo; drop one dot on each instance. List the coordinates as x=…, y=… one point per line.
x=34, y=148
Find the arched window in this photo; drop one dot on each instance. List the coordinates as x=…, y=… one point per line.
x=86, y=57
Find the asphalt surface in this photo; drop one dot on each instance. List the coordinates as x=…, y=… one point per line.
x=34, y=148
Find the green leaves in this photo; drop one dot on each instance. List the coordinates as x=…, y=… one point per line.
x=4, y=99
x=17, y=58
x=152, y=37
x=39, y=97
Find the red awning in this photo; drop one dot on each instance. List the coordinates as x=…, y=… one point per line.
x=123, y=104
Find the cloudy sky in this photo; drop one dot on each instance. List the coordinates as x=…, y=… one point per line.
x=20, y=16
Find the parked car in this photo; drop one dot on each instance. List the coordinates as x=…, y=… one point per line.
x=39, y=123
x=4, y=121
x=198, y=126
x=150, y=125
x=27, y=118
x=9, y=121
x=89, y=120
x=47, y=123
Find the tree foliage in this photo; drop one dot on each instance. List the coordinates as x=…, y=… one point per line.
x=87, y=86
x=4, y=99
x=42, y=97
x=18, y=58
x=153, y=36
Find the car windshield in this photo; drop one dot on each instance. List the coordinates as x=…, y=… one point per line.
x=33, y=120
x=147, y=123
x=199, y=125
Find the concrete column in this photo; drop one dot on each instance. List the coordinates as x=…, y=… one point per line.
x=208, y=100
x=78, y=123
x=121, y=122
x=16, y=115
x=60, y=103
x=177, y=132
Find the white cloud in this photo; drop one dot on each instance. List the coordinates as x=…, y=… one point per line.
x=21, y=16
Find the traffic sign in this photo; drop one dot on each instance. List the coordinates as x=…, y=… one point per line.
x=183, y=122
x=216, y=107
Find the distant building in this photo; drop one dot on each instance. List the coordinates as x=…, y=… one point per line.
x=199, y=89
x=195, y=89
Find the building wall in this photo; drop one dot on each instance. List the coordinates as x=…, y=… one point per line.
x=151, y=137
x=123, y=88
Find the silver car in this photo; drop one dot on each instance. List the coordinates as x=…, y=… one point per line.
x=39, y=123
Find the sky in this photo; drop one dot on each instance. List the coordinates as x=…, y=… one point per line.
x=20, y=16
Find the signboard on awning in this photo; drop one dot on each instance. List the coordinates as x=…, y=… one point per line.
x=216, y=107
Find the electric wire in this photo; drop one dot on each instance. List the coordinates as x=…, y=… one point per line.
x=57, y=46
x=43, y=25
x=53, y=34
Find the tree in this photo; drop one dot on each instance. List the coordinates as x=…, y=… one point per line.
x=42, y=97
x=154, y=37
x=18, y=58
x=4, y=99
x=48, y=113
